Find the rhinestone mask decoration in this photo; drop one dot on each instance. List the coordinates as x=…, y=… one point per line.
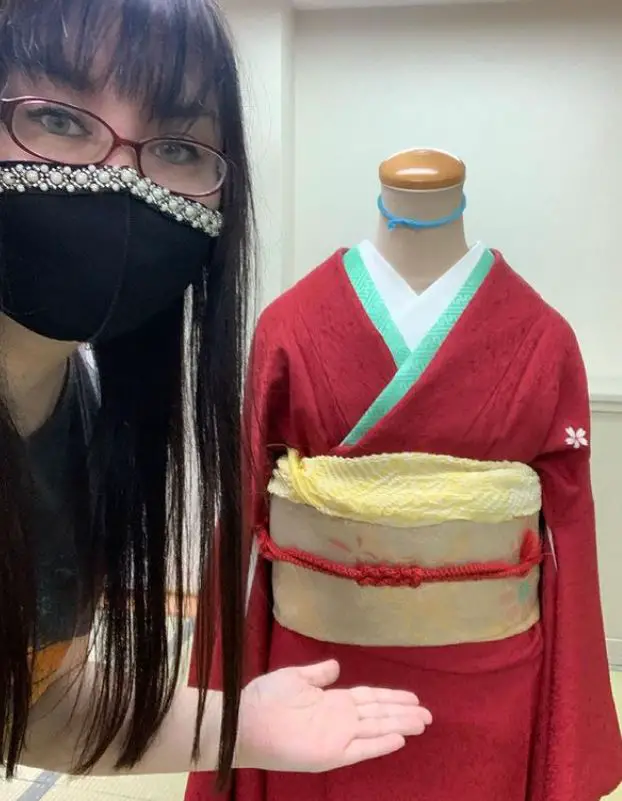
x=84, y=180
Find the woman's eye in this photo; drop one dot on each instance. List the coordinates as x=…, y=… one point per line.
x=59, y=122
x=177, y=153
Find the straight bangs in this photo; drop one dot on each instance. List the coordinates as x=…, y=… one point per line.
x=165, y=55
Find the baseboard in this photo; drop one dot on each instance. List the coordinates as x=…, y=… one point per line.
x=606, y=395
x=614, y=652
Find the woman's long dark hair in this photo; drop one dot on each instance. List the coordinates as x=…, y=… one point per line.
x=169, y=392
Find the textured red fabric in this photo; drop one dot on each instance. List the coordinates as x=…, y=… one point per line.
x=530, y=718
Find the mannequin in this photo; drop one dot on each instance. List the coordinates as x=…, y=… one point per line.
x=422, y=185
x=417, y=420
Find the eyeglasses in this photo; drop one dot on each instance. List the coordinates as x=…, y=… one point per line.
x=66, y=134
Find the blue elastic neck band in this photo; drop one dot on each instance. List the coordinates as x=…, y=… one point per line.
x=419, y=225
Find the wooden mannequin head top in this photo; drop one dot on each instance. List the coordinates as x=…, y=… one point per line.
x=422, y=185
x=422, y=170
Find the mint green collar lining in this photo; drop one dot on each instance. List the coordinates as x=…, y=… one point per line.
x=410, y=364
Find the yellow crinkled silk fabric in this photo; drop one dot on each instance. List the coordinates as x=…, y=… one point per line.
x=408, y=489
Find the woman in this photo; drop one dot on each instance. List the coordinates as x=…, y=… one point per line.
x=145, y=256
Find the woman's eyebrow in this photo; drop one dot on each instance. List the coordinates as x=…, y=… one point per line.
x=185, y=112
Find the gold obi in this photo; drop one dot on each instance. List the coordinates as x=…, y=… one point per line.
x=404, y=549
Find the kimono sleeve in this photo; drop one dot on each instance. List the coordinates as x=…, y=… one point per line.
x=578, y=744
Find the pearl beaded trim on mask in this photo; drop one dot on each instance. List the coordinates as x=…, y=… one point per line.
x=22, y=178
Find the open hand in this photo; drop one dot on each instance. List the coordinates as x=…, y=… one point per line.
x=289, y=722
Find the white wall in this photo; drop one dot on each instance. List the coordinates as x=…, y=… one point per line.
x=263, y=35
x=529, y=96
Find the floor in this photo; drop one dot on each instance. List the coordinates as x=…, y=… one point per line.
x=32, y=785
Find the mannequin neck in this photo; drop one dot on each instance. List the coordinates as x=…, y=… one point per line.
x=422, y=256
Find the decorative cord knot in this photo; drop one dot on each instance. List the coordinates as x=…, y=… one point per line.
x=387, y=576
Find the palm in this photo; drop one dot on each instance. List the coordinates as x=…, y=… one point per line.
x=328, y=720
x=293, y=724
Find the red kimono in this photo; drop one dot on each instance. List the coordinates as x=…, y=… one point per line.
x=526, y=718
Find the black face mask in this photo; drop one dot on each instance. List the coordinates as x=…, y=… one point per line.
x=89, y=254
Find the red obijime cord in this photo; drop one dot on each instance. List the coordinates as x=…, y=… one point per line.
x=391, y=575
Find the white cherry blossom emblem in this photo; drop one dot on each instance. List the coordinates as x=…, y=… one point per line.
x=576, y=438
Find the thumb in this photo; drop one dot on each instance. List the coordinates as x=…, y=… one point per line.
x=320, y=675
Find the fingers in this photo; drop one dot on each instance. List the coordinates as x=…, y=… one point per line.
x=321, y=675
x=371, y=695
x=378, y=711
x=405, y=725
x=361, y=750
